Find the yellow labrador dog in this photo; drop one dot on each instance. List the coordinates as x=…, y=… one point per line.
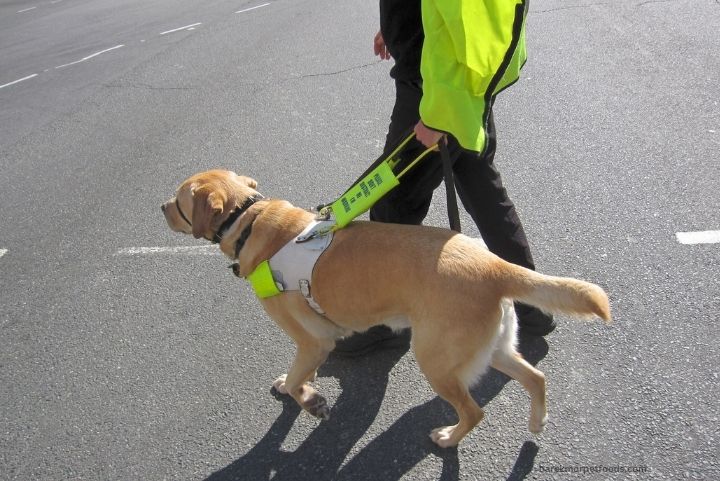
x=454, y=294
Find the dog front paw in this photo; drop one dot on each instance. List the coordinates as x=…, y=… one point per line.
x=279, y=384
x=317, y=406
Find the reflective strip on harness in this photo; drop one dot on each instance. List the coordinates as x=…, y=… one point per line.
x=262, y=281
x=290, y=269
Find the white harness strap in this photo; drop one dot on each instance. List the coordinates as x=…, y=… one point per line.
x=292, y=266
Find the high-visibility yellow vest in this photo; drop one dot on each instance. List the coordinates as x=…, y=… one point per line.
x=473, y=49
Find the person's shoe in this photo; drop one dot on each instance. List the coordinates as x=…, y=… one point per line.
x=533, y=321
x=375, y=338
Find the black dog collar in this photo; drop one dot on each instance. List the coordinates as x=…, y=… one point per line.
x=235, y=215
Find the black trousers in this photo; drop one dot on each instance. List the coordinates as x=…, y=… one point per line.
x=478, y=183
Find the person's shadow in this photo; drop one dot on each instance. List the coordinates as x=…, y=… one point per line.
x=387, y=457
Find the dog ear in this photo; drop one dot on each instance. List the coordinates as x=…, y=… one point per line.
x=207, y=205
x=252, y=183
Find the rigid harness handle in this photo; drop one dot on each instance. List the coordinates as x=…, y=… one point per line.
x=373, y=184
x=377, y=180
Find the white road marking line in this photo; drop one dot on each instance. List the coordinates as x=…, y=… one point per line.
x=700, y=237
x=91, y=56
x=253, y=8
x=186, y=27
x=186, y=250
x=3, y=252
x=18, y=80
x=26, y=10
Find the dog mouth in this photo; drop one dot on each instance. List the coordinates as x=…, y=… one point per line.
x=171, y=217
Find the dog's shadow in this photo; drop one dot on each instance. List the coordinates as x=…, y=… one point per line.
x=391, y=454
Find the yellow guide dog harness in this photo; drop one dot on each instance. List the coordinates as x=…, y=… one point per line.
x=292, y=266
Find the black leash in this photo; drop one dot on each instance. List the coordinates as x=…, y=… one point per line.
x=452, y=206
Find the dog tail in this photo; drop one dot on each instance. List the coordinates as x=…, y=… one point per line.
x=560, y=295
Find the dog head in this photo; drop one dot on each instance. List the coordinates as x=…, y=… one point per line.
x=204, y=201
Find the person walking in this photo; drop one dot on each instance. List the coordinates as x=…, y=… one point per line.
x=452, y=57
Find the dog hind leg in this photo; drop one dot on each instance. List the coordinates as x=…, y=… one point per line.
x=512, y=364
x=508, y=361
x=470, y=414
x=447, y=380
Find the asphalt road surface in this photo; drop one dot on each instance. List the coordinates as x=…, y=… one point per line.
x=122, y=362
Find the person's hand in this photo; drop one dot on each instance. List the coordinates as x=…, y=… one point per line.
x=380, y=47
x=427, y=136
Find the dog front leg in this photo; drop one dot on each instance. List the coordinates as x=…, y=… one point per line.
x=294, y=383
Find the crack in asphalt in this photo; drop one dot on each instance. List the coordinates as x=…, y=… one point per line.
x=569, y=7
x=249, y=84
x=657, y=1
x=647, y=2
x=330, y=74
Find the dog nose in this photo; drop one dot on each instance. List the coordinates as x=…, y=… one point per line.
x=162, y=208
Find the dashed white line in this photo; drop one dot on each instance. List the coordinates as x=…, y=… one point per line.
x=91, y=56
x=253, y=8
x=186, y=27
x=699, y=237
x=3, y=252
x=19, y=80
x=186, y=250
